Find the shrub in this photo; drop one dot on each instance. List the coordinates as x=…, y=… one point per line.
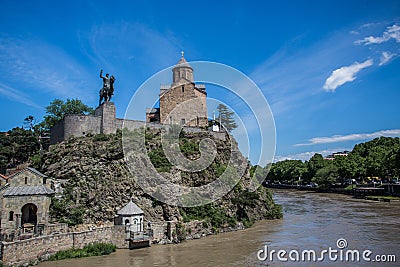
x=100, y=137
x=214, y=214
x=275, y=212
x=180, y=232
x=159, y=160
x=95, y=249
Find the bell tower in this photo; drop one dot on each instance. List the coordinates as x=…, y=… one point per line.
x=182, y=72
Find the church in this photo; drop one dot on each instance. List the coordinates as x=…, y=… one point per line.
x=181, y=103
x=25, y=200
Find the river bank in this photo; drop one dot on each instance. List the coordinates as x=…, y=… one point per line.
x=311, y=221
x=386, y=192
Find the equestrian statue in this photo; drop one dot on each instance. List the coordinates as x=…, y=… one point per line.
x=108, y=87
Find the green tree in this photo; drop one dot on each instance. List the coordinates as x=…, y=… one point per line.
x=287, y=171
x=16, y=147
x=226, y=116
x=326, y=176
x=30, y=121
x=315, y=163
x=58, y=108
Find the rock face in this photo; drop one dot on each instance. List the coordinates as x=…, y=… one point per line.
x=97, y=183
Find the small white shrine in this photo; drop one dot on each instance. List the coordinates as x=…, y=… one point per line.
x=131, y=216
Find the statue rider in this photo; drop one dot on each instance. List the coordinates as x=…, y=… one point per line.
x=106, y=86
x=106, y=81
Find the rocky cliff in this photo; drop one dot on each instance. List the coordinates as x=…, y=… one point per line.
x=96, y=183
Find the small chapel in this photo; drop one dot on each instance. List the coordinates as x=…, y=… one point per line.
x=25, y=200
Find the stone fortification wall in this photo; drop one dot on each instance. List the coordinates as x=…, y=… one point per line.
x=80, y=125
x=75, y=125
x=32, y=250
x=129, y=124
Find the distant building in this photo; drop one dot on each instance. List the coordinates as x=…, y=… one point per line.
x=337, y=154
x=25, y=200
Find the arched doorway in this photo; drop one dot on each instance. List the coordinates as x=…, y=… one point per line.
x=29, y=214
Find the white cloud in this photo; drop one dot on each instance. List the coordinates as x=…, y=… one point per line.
x=41, y=67
x=351, y=137
x=17, y=96
x=345, y=74
x=385, y=58
x=292, y=75
x=392, y=32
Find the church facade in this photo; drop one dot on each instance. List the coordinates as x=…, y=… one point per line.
x=183, y=102
x=25, y=200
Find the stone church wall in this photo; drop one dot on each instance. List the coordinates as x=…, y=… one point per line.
x=183, y=105
x=15, y=204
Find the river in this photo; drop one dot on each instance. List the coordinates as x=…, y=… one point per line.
x=312, y=221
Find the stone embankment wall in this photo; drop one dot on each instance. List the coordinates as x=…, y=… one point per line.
x=36, y=249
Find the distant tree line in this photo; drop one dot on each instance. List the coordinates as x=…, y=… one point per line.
x=22, y=144
x=379, y=157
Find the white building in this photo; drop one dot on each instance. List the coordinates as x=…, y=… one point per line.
x=131, y=215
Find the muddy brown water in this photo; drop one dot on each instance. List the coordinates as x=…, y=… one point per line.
x=312, y=221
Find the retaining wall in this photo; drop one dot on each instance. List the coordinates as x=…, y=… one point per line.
x=40, y=248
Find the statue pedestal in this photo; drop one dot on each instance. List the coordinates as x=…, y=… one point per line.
x=108, y=121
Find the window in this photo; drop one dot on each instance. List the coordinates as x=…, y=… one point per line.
x=26, y=180
x=183, y=88
x=183, y=121
x=44, y=180
x=11, y=217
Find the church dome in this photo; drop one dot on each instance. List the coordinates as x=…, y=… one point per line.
x=182, y=63
x=182, y=72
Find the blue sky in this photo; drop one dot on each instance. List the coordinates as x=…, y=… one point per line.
x=329, y=69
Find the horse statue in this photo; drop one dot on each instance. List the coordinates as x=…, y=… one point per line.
x=103, y=96
x=111, y=91
x=108, y=87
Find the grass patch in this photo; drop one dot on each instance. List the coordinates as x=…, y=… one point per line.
x=95, y=249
